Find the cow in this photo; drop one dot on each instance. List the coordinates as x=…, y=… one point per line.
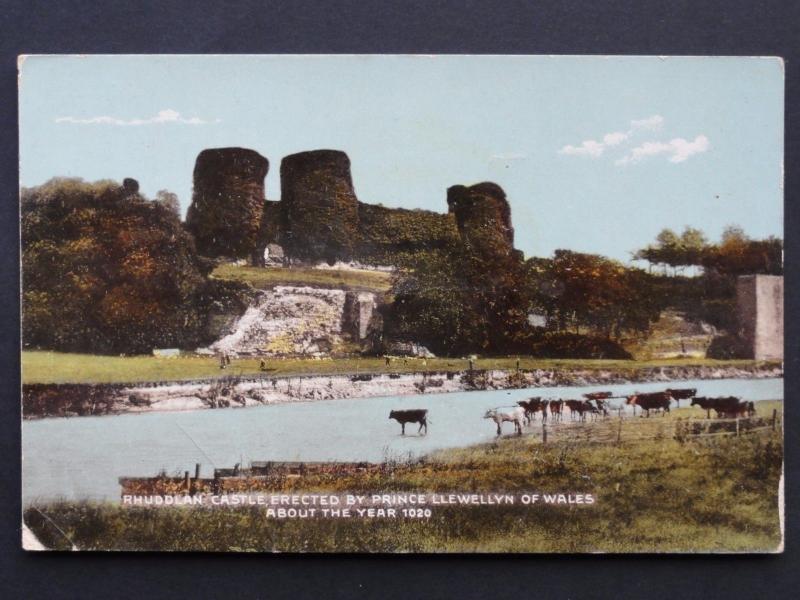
x=555, y=409
x=727, y=406
x=681, y=394
x=532, y=406
x=415, y=415
x=597, y=395
x=575, y=408
x=647, y=402
x=579, y=408
x=515, y=415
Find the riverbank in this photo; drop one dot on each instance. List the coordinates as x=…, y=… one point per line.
x=659, y=494
x=39, y=366
x=50, y=400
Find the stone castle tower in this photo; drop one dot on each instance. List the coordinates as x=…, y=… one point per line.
x=759, y=302
x=319, y=208
x=319, y=216
x=227, y=201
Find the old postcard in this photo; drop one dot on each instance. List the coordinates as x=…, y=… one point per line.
x=402, y=303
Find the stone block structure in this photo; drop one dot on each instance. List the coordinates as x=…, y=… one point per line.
x=759, y=300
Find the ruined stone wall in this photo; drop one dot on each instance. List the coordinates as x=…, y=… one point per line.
x=759, y=301
x=319, y=217
x=385, y=233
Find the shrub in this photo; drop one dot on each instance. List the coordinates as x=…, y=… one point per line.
x=573, y=345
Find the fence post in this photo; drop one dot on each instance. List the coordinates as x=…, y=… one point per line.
x=186, y=481
x=737, y=426
x=619, y=431
x=774, y=418
x=544, y=433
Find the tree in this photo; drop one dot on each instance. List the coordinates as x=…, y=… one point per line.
x=592, y=292
x=169, y=200
x=105, y=270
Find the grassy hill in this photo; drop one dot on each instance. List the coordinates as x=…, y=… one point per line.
x=672, y=336
x=269, y=277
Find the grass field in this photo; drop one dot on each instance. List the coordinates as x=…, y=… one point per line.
x=261, y=278
x=59, y=367
x=716, y=494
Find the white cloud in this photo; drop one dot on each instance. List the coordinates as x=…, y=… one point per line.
x=612, y=139
x=587, y=148
x=595, y=149
x=678, y=150
x=164, y=116
x=653, y=123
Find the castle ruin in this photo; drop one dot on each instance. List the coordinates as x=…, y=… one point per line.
x=759, y=303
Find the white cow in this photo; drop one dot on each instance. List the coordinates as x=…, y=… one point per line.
x=516, y=416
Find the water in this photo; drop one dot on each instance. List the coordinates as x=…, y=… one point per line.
x=82, y=458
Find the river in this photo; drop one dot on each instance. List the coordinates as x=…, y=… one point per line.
x=82, y=458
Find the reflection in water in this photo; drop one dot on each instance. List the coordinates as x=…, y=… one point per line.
x=81, y=458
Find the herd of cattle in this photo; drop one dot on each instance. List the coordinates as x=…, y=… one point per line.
x=593, y=404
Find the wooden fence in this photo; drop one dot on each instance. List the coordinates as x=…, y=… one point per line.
x=618, y=429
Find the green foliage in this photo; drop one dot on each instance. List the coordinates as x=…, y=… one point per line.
x=394, y=235
x=572, y=345
x=711, y=297
x=105, y=270
x=169, y=200
x=676, y=251
x=588, y=291
x=456, y=302
x=727, y=347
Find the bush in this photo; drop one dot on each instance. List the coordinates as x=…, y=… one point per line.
x=105, y=270
x=725, y=347
x=573, y=345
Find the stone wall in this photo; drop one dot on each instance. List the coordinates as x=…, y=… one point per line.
x=227, y=202
x=760, y=314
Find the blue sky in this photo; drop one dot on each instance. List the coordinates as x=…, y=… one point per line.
x=596, y=154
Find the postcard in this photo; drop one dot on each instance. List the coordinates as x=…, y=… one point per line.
x=396, y=303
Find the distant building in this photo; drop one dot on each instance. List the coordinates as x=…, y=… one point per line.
x=273, y=255
x=759, y=300
x=166, y=352
x=537, y=320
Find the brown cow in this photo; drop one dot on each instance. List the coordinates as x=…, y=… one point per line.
x=416, y=415
x=727, y=406
x=532, y=406
x=647, y=402
x=679, y=394
x=581, y=407
x=555, y=409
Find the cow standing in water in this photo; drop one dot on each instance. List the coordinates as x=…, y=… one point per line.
x=532, y=406
x=555, y=409
x=415, y=415
x=652, y=401
x=515, y=416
